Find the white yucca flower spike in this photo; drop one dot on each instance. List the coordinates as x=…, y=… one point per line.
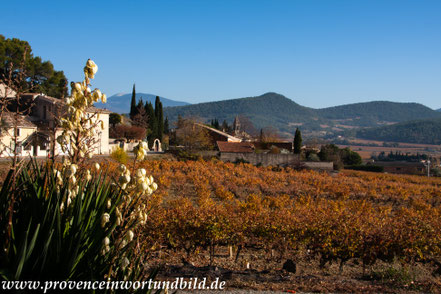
x=105, y=219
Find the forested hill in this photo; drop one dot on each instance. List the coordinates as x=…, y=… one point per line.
x=421, y=131
x=272, y=109
x=370, y=113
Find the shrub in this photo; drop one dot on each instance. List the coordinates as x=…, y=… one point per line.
x=241, y=160
x=188, y=156
x=274, y=150
x=313, y=157
x=119, y=155
x=128, y=132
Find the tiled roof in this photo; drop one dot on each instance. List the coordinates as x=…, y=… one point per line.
x=8, y=119
x=231, y=138
x=96, y=109
x=235, y=147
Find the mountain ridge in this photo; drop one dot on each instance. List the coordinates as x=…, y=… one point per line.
x=425, y=131
x=276, y=110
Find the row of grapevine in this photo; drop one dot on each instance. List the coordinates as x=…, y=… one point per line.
x=201, y=205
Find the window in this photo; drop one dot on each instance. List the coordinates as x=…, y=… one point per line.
x=17, y=132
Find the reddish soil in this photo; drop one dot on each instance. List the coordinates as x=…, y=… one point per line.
x=256, y=270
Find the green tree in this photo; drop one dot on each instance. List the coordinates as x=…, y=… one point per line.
x=215, y=124
x=297, y=141
x=160, y=120
x=159, y=116
x=225, y=127
x=166, y=126
x=133, y=106
x=114, y=119
x=40, y=76
x=152, y=122
x=350, y=157
x=339, y=157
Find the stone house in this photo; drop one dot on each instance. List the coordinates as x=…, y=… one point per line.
x=25, y=131
x=41, y=129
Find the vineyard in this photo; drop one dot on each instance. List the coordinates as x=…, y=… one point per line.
x=201, y=207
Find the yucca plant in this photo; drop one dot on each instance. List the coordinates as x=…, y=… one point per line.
x=57, y=237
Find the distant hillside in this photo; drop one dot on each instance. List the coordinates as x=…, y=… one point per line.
x=439, y=110
x=120, y=103
x=426, y=131
x=377, y=112
x=272, y=109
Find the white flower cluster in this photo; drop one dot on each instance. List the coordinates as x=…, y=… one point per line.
x=141, y=150
x=79, y=125
x=70, y=171
x=139, y=183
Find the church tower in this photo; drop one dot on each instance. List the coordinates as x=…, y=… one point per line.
x=236, y=125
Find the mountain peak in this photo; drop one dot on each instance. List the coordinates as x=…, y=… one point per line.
x=272, y=95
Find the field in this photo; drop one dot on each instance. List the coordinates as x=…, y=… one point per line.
x=351, y=231
x=283, y=229
x=368, y=147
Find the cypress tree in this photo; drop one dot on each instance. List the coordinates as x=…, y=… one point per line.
x=133, y=106
x=160, y=120
x=166, y=126
x=297, y=141
x=152, y=123
x=157, y=101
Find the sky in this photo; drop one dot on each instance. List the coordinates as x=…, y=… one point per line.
x=317, y=53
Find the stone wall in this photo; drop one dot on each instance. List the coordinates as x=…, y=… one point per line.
x=325, y=166
x=268, y=159
x=264, y=159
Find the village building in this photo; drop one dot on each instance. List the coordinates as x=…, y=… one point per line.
x=239, y=133
x=38, y=129
x=217, y=135
x=25, y=130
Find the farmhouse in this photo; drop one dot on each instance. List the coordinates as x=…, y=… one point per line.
x=38, y=129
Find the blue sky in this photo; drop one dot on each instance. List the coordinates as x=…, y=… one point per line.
x=318, y=53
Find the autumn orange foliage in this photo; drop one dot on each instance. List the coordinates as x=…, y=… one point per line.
x=339, y=217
